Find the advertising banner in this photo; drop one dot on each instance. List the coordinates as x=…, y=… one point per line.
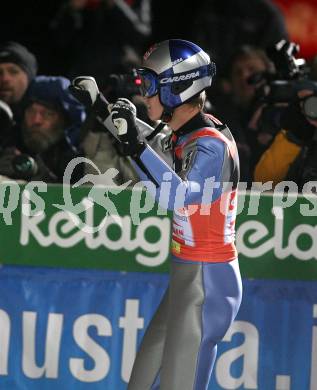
x=126, y=231
x=79, y=329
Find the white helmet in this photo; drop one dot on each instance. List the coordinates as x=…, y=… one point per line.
x=176, y=70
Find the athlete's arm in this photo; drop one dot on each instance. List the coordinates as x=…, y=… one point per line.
x=198, y=182
x=202, y=164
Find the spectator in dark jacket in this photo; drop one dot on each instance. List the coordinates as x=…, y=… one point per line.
x=50, y=133
x=18, y=67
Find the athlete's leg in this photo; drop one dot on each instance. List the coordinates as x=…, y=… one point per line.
x=204, y=299
x=223, y=293
x=149, y=357
x=183, y=333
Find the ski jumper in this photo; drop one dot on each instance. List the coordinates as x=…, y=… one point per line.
x=204, y=294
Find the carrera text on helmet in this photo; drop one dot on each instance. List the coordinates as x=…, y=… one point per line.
x=182, y=77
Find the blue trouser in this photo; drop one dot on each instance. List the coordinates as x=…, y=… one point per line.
x=179, y=348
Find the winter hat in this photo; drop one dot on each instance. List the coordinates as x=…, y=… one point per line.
x=53, y=92
x=18, y=54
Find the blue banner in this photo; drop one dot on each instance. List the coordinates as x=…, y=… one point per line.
x=79, y=329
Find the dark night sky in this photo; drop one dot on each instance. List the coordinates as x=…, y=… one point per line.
x=27, y=21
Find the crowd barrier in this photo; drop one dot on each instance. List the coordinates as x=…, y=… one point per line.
x=75, y=301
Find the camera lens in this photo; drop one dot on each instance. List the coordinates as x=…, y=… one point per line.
x=310, y=107
x=24, y=166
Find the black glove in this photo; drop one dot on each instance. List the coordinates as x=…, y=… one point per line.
x=123, y=115
x=6, y=117
x=300, y=131
x=6, y=158
x=85, y=90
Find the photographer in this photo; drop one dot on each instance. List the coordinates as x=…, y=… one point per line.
x=236, y=104
x=292, y=154
x=290, y=109
x=49, y=133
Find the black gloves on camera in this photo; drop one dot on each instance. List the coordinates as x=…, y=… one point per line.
x=300, y=131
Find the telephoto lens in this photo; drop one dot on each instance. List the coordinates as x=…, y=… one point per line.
x=24, y=166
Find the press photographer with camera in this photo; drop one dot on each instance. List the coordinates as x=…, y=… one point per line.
x=235, y=104
x=289, y=107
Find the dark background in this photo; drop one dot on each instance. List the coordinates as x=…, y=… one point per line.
x=27, y=22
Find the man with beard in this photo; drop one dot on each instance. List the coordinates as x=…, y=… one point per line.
x=49, y=133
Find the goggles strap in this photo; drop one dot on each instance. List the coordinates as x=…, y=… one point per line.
x=157, y=129
x=167, y=114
